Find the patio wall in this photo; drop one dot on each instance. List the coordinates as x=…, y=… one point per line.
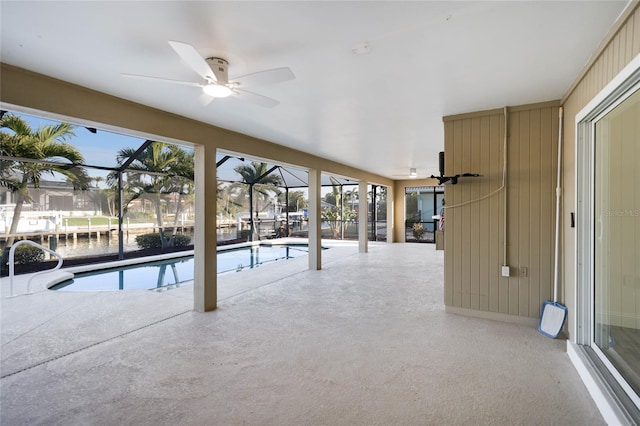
x=475, y=217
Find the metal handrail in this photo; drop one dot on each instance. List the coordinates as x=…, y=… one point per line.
x=12, y=264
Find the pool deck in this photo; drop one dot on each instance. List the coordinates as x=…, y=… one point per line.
x=364, y=341
x=48, y=318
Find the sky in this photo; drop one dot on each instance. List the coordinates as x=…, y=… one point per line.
x=99, y=149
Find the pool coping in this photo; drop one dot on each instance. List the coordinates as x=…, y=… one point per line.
x=45, y=281
x=69, y=273
x=164, y=256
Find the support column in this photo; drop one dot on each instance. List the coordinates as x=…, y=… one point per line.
x=398, y=212
x=315, y=220
x=363, y=215
x=205, y=284
x=390, y=205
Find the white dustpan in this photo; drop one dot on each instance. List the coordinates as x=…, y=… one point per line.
x=553, y=314
x=552, y=318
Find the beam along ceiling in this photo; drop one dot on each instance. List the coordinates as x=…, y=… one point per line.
x=373, y=79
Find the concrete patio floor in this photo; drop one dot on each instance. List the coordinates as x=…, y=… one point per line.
x=365, y=341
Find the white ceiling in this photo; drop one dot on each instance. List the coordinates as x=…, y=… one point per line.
x=380, y=111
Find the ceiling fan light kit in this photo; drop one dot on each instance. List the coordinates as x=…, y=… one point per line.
x=215, y=75
x=217, y=90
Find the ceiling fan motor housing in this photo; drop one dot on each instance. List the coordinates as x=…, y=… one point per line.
x=220, y=68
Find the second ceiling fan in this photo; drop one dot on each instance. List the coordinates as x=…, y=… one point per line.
x=216, y=82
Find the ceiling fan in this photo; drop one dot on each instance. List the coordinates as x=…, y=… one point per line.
x=413, y=174
x=216, y=82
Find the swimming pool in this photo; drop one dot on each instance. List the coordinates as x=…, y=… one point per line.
x=171, y=273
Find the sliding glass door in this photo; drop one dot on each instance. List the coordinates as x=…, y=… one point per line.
x=616, y=238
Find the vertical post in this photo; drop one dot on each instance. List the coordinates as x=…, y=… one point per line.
x=390, y=216
x=205, y=283
x=286, y=209
x=315, y=219
x=363, y=212
x=374, y=215
x=399, y=216
x=120, y=218
x=251, y=224
x=342, y=224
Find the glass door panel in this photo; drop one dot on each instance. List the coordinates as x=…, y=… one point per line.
x=617, y=238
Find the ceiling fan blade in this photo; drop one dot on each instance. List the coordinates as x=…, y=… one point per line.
x=255, y=98
x=204, y=100
x=260, y=78
x=166, y=80
x=193, y=59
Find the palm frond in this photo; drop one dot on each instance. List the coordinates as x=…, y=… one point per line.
x=16, y=124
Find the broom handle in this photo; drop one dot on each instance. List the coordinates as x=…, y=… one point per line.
x=558, y=194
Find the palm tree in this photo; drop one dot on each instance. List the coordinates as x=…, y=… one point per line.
x=227, y=196
x=256, y=177
x=47, y=145
x=97, y=195
x=162, y=169
x=336, y=215
x=111, y=194
x=297, y=200
x=351, y=196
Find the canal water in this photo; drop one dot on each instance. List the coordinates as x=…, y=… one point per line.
x=87, y=247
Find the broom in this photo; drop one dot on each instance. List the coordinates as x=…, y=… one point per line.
x=554, y=314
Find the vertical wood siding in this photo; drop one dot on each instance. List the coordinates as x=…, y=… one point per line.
x=474, y=235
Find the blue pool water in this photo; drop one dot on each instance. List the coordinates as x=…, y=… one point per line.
x=171, y=273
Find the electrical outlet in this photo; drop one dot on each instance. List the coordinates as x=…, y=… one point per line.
x=523, y=271
x=505, y=271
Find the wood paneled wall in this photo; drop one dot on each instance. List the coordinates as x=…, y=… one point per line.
x=475, y=219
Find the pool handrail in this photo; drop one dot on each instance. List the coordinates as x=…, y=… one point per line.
x=12, y=264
